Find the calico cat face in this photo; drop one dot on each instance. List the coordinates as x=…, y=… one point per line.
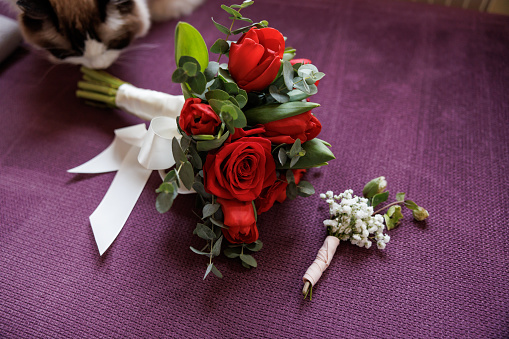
x=86, y=32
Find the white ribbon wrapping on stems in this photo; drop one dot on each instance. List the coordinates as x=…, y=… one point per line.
x=134, y=153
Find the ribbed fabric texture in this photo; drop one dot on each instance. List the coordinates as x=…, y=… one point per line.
x=416, y=93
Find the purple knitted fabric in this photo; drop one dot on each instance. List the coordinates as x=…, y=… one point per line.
x=413, y=92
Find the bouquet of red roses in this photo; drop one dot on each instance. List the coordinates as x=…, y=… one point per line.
x=248, y=130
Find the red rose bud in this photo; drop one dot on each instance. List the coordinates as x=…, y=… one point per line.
x=255, y=59
x=300, y=61
x=276, y=192
x=303, y=126
x=197, y=118
x=240, y=219
x=240, y=170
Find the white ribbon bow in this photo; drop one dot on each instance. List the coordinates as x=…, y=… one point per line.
x=134, y=153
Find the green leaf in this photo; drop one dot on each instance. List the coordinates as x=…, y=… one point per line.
x=273, y=112
x=197, y=83
x=195, y=158
x=218, y=95
x=288, y=74
x=224, y=74
x=210, y=209
x=205, y=146
x=296, y=148
x=277, y=95
x=200, y=189
x=190, y=68
x=294, y=160
x=388, y=222
x=244, y=4
x=248, y=260
x=282, y=156
x=232, y=252
x=211, y=70
x=209, y=268
x=204, y=232
x=394, y=214
x=165, y=187
x=178, y=154
x=379, y=198
x=199, y=252
x=220, y=47
x=255, y=246
x=231, y=11
x=189, y=42
x=164, y=202
x=291, y=191
x=221, y=28
x=179, y=76
x=306, y=189
x=243, y=19
x=242, y=100
x=218, y=223
x=400, y=196
x=231, y=88
x=289, y=176
x=297, y=95
x=170, y=176
x=216, y=250
x=186, y=174
x=242, y=29
x=317, y=154
x=185, y=142
x=216, y=271
x=411, y=205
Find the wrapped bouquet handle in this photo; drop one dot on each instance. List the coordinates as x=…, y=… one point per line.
x=322, y=261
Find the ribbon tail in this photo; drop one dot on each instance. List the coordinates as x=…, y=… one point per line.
x=108, y=160
x=110, y=216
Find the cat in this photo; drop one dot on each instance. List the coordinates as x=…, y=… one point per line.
x=92, y=33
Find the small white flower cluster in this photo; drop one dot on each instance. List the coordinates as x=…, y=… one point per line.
x=352, y=219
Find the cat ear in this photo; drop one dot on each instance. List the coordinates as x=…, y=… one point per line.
x=36, y=9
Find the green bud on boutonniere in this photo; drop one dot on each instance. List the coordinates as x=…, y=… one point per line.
x=374, y=187
x=420, y=214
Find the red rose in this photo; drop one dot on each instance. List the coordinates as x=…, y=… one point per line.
x=197, y=118
x=304, y=126
x=240, y=170
x=300, y=61
x=255, y=58
x=276, y=192
x=240, y=219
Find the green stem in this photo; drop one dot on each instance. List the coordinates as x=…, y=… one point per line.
x=95, y=87
x=387, y=206
x=109, y=100
x=102, y=76
x=228, y=35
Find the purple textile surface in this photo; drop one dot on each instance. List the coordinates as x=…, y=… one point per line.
x=413, y=92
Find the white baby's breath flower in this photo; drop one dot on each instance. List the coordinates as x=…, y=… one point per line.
x=380, y=245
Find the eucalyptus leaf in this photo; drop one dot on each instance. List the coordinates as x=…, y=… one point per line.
x=197, y=83
x=199, y=252
x=277, y=95
x=170, y=176
x=296, y=148
x=242, y=100
x=288, y=74
x=255, y=246
x=164, y=201
x=195, y=158
x=216, y=249
x=289, y=176
x=211, y=70
x=165, y=187
x=248, y=259
x=178, y=154
x=291, y=191
x=190, y=68
x=232, y=252
x=231, y=88
x=217, y=94
x=220, y=47
x=282, y=156
x=317, y=154
x=216, y=271
x=306, y=189
x=210, y=209
x=209, y=268
x=204, y=232
x=189, y=42
x=218, y=223
x=186, y=174
x=200, y=189
x=221, y=28
x=205, y=146
x=245, y=4
x=179, y=76
x=231, y=11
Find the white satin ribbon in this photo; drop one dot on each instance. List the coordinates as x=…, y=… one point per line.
x=134, y=153
x=322, y=261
